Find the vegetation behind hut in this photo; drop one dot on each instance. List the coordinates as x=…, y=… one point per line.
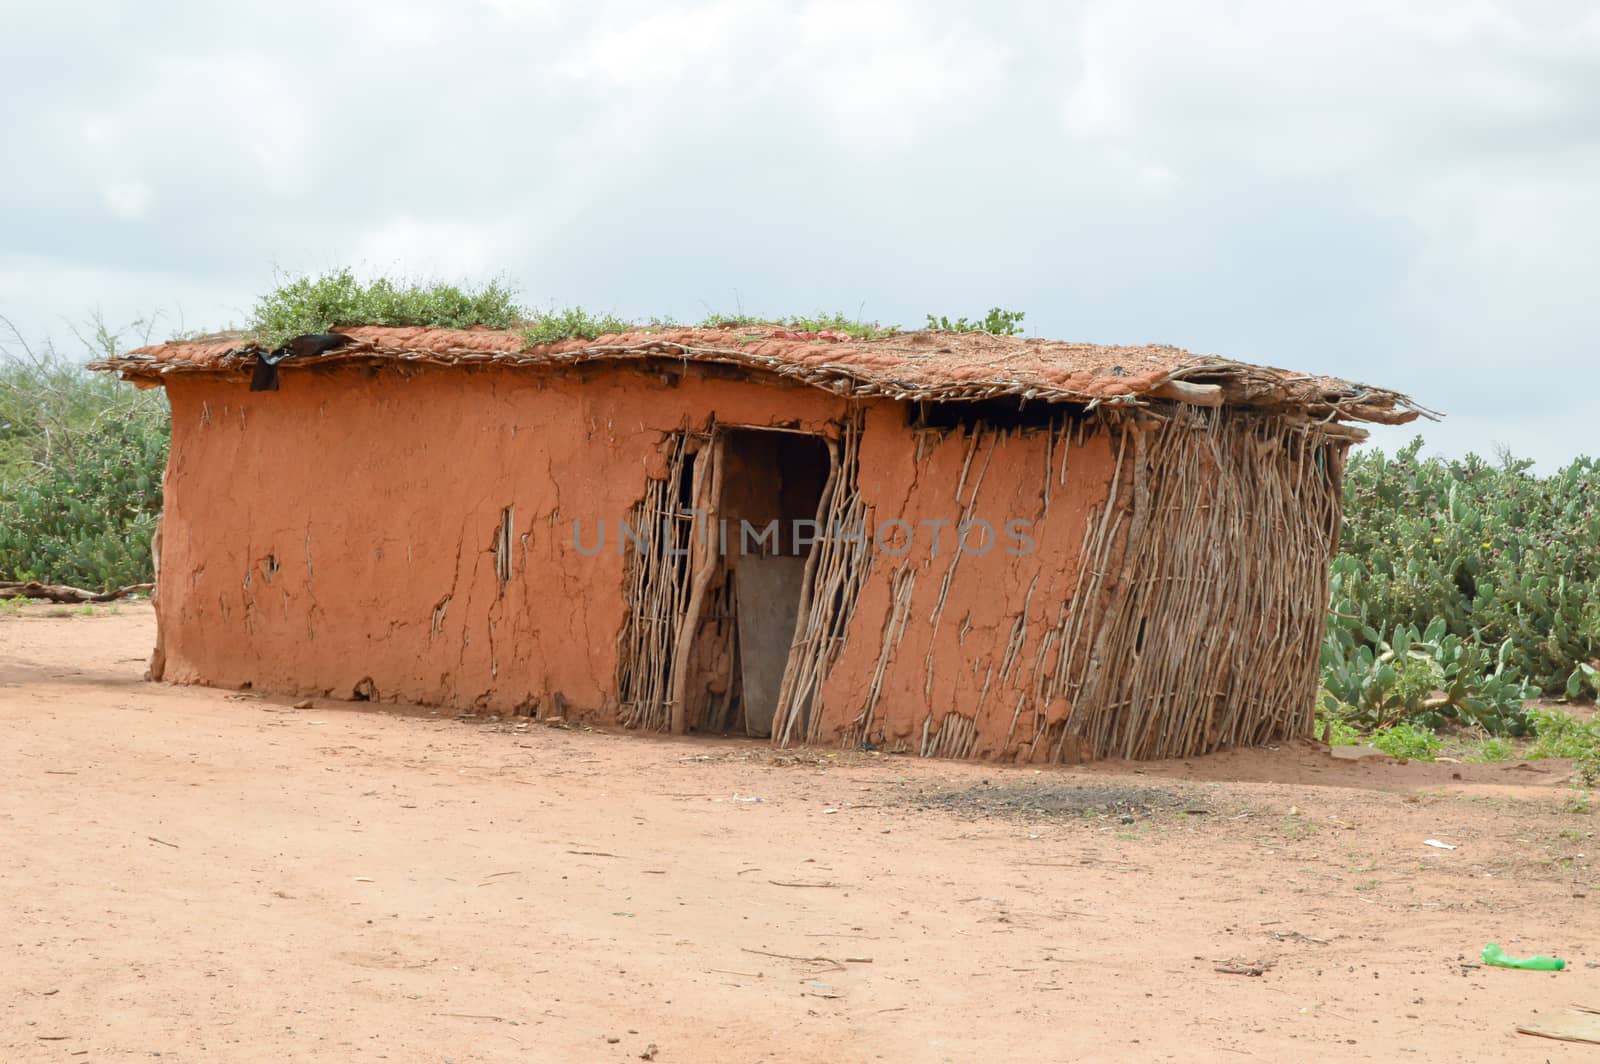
x=81, y=463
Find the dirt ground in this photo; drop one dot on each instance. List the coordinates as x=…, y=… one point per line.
x=200, y=875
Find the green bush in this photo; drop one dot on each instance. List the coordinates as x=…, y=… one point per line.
x=1585, y=678
x=1409, y=742
x=1333, y=724
x=1559, y=734
x=1494, y=750
x=87, y=520
x=838, y=322
x=842, y=323
x=997, y=322
x=574, y=323
x=1508, y=561
x=81, y=461
x=302, y=305
x=1429, y=677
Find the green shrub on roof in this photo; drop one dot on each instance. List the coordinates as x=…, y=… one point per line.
x=304, y=304
x=998, y=322
x=553, y=326
x=839, y=322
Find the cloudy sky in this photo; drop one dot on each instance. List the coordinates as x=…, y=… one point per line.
x=1407, y=194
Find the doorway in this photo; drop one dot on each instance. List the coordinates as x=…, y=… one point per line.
x=772, y=486
x=731, y=561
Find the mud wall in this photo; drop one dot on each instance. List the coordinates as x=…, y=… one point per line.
x=951, y=645
x=364, y=533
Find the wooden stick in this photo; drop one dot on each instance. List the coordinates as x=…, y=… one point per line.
x=835, y=572
x=33, y=589
x=706, y=565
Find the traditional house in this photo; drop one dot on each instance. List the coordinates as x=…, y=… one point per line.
x=947, y=544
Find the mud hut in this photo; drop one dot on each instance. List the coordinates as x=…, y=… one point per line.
x=954, y=545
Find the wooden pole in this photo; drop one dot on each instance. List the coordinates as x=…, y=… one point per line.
x=705, y=562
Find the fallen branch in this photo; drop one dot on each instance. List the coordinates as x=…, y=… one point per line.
x=33, y=589
x=834, y=965
x=836, y=934
x=472, y=1016
x=797, y=883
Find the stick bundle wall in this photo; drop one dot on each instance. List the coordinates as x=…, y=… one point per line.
x=1172, y=604
x=657, y=593
x=1201, y=624
x=834, y=574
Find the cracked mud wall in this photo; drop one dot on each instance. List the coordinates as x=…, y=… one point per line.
x=349, y=534
x=948, y=649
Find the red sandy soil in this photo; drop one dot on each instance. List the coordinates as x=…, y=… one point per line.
x=197, y=875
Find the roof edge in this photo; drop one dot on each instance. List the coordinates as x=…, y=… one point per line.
x=865, y=369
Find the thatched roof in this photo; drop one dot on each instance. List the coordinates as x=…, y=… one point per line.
x=912, y=365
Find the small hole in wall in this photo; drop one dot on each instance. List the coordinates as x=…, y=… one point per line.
x=365, y=691
x=1138, y=640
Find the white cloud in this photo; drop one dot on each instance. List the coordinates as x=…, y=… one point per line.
x=881, y=67
x=49, y=299
x=524, y=10
x=1398, y=193
x=398, y=24
x=1311, y=89
x=1470, y=127
x=233, y=117
x=672, y=44
x=410, y=246
x=128, y=200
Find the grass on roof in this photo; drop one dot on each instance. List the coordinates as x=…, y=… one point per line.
x=998, y=322
x=304, y=305
x=553, y=326
x=855, y=328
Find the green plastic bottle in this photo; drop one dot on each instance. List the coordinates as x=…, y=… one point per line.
x=1493, y=954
